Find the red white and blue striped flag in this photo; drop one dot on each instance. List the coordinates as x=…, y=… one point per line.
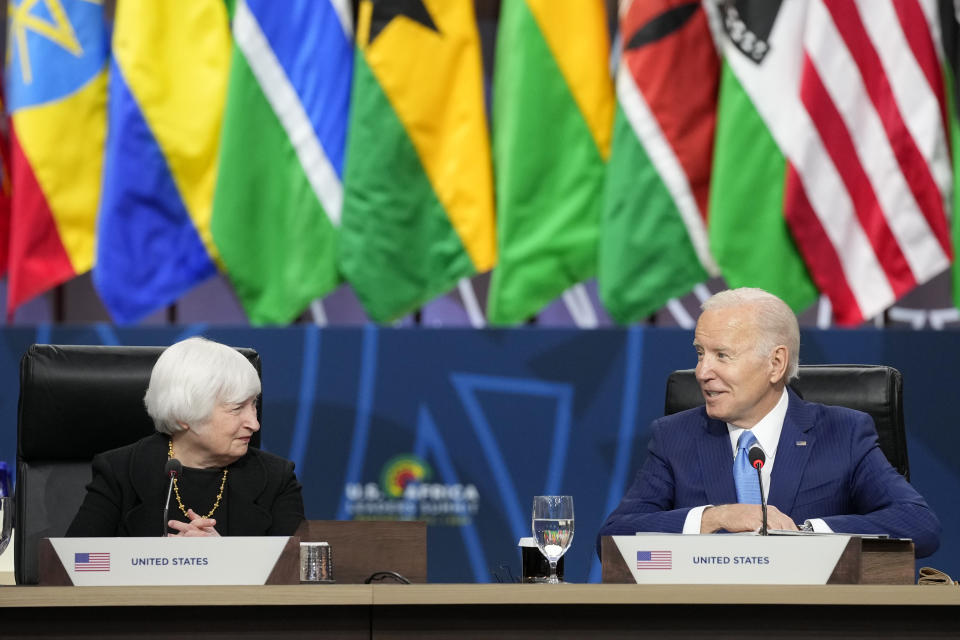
x=850, y=100
x=91, y=562
x=654, y=559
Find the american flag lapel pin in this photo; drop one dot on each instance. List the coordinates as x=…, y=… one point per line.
x=801, y=443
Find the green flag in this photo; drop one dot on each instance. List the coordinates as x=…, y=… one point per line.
x=552, y=115
x=418, y=202
x=653, y=241
x=278, y=196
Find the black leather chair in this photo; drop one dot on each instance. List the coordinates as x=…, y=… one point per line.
x=873, y=389
x=75, y=402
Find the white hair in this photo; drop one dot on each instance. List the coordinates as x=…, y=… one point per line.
x=776, y=322
x=191, y=377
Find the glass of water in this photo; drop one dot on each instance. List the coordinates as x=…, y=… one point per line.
x=553, y=528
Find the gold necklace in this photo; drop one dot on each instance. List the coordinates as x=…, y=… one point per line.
x=176, y=489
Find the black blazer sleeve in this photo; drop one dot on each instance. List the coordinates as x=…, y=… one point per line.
x=102, y=508
x=287, y=507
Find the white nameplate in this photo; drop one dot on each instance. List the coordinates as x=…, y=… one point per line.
x=169, y=561
x=731, y=559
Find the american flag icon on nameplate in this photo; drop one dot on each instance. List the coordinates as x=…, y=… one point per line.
x=91, y=562
x=654, y=560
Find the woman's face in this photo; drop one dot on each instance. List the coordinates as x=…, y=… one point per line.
x=225, y=437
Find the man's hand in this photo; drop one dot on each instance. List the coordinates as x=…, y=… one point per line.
x=743, y=517
x=196, y=527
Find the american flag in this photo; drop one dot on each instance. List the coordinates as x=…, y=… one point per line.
x=654, y=559
x=853, y=95
x=91, y=562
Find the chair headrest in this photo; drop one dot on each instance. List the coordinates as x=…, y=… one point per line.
x=873, y=389
x=77, y=401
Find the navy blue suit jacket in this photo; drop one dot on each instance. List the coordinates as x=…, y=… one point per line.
x=839, y=474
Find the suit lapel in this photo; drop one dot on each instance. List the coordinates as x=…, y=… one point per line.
x=716, y=462
x=796, y=441
x=146, y=476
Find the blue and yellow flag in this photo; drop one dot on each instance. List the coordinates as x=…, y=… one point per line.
x=167, y=91
x=277, y=209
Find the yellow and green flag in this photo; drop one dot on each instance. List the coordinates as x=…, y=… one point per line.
x=553, y=105
x=418, y=183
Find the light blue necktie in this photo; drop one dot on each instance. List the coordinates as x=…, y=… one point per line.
x=745, y=476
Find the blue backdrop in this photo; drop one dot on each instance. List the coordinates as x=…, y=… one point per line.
x=461, y=427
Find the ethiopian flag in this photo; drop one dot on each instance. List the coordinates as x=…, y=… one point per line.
x=418, y=184
x=56, y=79
x=552, y=116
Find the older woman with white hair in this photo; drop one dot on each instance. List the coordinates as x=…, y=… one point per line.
x=202, y=399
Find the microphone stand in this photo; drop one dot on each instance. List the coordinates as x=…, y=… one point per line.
x=758, y=465
x=166, y=505
x=172, y=469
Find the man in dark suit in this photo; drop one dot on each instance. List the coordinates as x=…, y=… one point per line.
x=824, y=469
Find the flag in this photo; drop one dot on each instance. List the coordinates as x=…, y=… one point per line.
x=91, y=562
x=654, y=559
x=552, y=116
x=653, y=238
x=949, y=14
x=418, y=184
x=56, y=83
x=279, y=187
x=830, y=120
x=4, y=187
x=167, y=90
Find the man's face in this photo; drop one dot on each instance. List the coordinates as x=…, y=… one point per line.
x=738, y=385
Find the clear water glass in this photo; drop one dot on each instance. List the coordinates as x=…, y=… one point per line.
x=553, y=529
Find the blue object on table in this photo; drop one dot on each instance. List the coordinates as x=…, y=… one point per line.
x=4, y=480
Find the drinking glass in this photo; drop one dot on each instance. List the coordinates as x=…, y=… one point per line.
x=6, y=521
x=553, y=528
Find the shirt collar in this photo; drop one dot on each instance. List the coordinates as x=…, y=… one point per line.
x=767, y=431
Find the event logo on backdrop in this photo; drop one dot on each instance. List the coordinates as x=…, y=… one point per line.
x=405, y=492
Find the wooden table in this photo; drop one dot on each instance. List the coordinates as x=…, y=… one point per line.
x=6, y=564
x=481, y=611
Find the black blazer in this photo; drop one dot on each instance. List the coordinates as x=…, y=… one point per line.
x=128, y=490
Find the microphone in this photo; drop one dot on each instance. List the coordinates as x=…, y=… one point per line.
x=757, y=458
x=172, y=470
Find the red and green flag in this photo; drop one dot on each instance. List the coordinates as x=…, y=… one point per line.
x=653, y=239
x=56, y=95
